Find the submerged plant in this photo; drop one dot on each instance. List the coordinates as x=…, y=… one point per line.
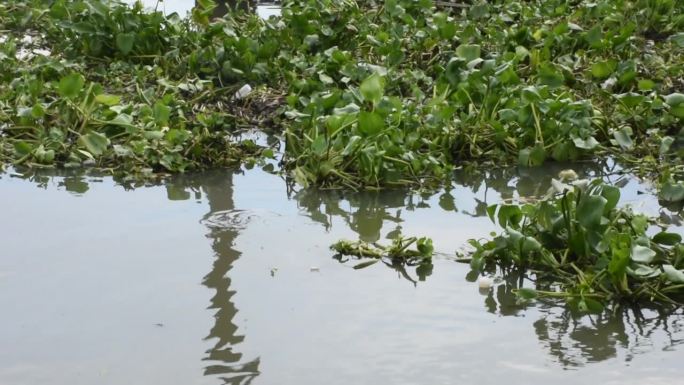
x=581, y=243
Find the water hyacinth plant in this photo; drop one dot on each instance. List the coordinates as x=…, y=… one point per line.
x=580, y=245
x=401, y=253
x=367, y=93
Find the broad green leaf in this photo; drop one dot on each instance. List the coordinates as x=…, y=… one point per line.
x=71, y=85
x=678, y=38
x=673, y=275
x=674, y=99
x=124, y=42
x=526, y=293
x=642, y=254
x=549, y=76
x=590, y=211
x=643, y=271
x=672, y=192
x=645, y=85
x=161, y=113
x=22, y=148
x=586, y=144
x=665, y=145
x=509, y=215
x=665, y=238
x=108, y=100
x=94, y=142
x=468, y=52
x=370, y=123
x=319, y=145
x=631, y=99
x=372, y=88
x=612, y=195
x=624, y=138
x=602, y=69
x=590, y=305
x=530, y=244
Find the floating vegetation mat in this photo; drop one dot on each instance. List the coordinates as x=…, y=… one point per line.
x=579, y=245
x=401, y=253
x=367, y=94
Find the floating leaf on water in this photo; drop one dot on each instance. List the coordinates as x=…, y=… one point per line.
x=366, y=264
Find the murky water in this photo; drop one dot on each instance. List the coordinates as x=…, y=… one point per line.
x=226, y=278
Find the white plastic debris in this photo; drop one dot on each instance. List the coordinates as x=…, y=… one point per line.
x=243, y=91
x=485, y=282
x=568, y=175
x=314, y=269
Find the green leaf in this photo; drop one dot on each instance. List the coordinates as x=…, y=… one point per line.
x=665, y=144
x=22, y=148
x=624, y=138
x=672, y=274
x=161, y=113
x=372, y=88
x=603, y=69
x=678, y=38
x=672, y=192
x=108, y=100
x=631, y=99
x=668, y=239
x=365, y=264
x=642, y=254
x=370, y=123
x=590, y=211
x=468, y=52
x=319, y=145
x=527, y=294
x=509, y=215
x=94, y=142
x=590, y=305
x=124, y=42
x=674, y=99
x=586, y=144
x=549, y=76
x=531, y=157
x=71, y=85
x=645, y=85
x=612, y=195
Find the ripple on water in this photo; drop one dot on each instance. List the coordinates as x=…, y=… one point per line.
x=237, y=219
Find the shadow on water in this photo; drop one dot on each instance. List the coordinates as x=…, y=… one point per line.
x=570, y=339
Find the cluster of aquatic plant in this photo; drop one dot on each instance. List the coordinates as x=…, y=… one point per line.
x=401, y=253
x=580, y=245
x=370, y=93
x=103, y=83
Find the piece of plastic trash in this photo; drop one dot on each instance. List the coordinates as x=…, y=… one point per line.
x=485, y=282
x=243, y=91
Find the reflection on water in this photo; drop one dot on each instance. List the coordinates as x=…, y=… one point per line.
x=575, y=339
x=570, y=340
x=224, y=223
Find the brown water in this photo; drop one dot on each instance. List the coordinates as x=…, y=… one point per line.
x=225, y=278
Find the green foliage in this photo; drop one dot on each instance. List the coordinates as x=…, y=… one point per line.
x=369, y=94
x=581, y=241
x=401, y=253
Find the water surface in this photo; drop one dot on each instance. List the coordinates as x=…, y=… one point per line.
x=226, y=278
